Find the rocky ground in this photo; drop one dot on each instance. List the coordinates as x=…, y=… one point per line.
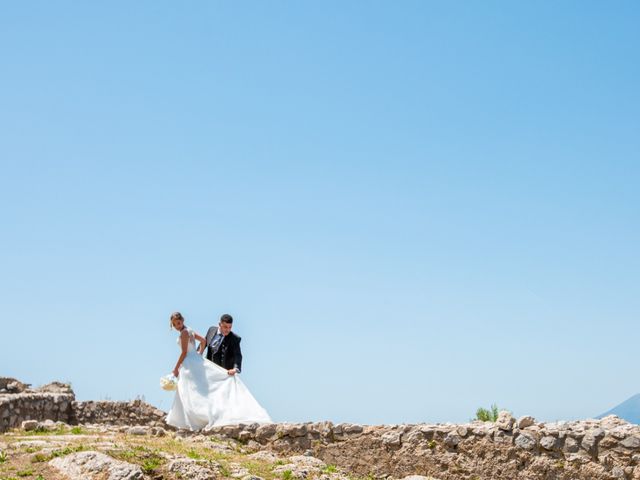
x=57, y=451
x=130, y=440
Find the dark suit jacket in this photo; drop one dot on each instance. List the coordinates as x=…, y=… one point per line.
x=229, y=354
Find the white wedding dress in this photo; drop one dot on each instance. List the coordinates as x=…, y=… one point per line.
x=207, y=396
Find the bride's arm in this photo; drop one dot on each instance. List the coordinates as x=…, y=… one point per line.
x=203, y=342
x=184, y=344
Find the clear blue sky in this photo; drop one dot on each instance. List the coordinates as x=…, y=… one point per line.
x=411, y=209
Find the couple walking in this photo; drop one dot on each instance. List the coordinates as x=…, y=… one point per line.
x=210, y=392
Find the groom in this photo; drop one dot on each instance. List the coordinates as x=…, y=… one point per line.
x=223, y=346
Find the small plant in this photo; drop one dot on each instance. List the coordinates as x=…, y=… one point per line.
x=485, y=415
x=224, y=470
x=40, y=457
x=279, y=462
x=66, y=451
x=330, y=469
x=287, y=475
x=150, y=464
x=24, y=473
x=431, y=444
x=3, y=457
x=77, y=431
x=193, y=454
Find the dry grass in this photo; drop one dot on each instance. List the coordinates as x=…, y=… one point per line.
x=26, y=454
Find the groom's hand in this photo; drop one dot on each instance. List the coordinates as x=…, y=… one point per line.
x=233, y=371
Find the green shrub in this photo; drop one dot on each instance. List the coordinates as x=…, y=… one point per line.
x=485, y=415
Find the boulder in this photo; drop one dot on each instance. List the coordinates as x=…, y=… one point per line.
x=95, y=465
x=526, y=421
x=505, y=421
x=392, y=439
x=191, y=469
x=29, y=425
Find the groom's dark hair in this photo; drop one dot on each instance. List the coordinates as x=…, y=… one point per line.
x=226, y=318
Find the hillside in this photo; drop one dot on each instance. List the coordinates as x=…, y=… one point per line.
x=628, y=410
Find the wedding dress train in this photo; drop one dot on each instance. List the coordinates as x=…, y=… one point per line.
x=207, y=396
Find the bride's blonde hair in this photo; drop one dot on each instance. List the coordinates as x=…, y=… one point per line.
x=175, y=316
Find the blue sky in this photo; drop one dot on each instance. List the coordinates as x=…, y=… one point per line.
x=411, y=209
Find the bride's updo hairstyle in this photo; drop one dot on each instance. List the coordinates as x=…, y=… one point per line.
x=175, y=316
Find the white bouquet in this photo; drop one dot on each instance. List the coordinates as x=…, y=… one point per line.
x=169, y=382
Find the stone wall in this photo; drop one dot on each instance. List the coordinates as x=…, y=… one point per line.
x=604, y=449
x=32, y=405
x=56, y=401
x=135, y=412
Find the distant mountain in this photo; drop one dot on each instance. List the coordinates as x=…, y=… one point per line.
x=628, y=410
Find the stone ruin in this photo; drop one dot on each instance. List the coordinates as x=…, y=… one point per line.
x=56, y=402
x=508, y=449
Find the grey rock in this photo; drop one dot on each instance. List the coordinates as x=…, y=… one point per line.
x=265, y=432
x=632, y=441
x=452, y=440
x=94, y=465
x=617, y=472
x=526, y=441
x=526, y=421
x=265, y=456
x=611, y=421
x=548, y=442
x=352, y=429
x=571, y=445
x=392, y=439
x=307, y=460
x=191, y=469
x=589, y=443
x=138, y=430
x=503, y=438
x=505, y=421
x=29, y=425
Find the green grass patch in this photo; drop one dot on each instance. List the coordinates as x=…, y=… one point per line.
x=287, y=475
x=259, y=469
x=149, y=465
x=41, y=457
x=193, y=454
x=330, y=469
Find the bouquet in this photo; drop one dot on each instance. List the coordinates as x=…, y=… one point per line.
x=169, y=382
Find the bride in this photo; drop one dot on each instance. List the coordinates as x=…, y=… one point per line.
x=207, y=395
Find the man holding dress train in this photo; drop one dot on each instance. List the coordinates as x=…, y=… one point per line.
x=223, y=346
